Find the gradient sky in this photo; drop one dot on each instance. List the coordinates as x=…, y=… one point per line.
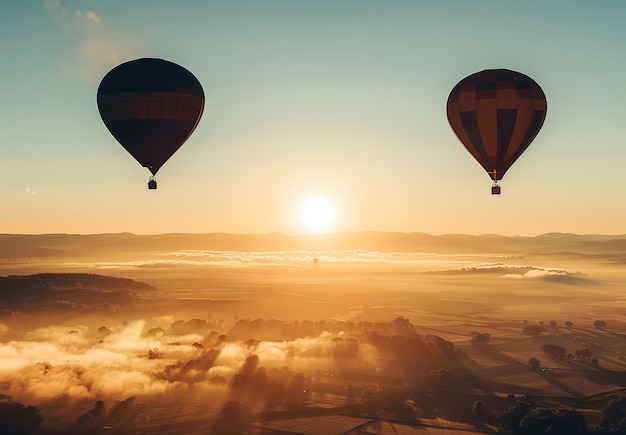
x=343, y=99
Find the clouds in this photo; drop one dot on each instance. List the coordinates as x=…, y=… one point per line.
x=97, y=44
x=76, y=363
x=91, y=16
x=279, y=259
x=535, y=273
x=555, y=275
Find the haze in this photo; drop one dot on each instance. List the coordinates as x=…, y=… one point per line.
x=322, y=255
x=307, y=346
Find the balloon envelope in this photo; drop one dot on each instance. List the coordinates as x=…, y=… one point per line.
x=496, y=114
x=151, y=106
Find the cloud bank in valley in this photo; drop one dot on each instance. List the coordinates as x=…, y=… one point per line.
x=75, y=363
x=281, y=259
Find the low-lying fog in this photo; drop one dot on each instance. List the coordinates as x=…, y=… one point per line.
x=224, y=322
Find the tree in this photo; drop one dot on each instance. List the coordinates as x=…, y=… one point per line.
x=583, y=354
x=568, y=324
x=17, y=418
x=479, y=407
x=533, y=363
x=98, y=410
x=553, y=421
x=554, y=351
x=533, y=330
x=231, y=411
x=600, y=324
x=124, y=414
x=401, y=323
x=154, y=353
x=86, y=422
x=571, y=421
x=231, y=419
x=509, y=420
x=442, y=376
x=537, y=421
x=295, y=392
x=245, y=378
x=479, y=338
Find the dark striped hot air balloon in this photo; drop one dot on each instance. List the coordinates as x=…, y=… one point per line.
x=151, y=106
x=496, y=114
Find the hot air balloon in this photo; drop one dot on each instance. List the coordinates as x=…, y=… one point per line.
x=151, y=106
x=496, y=114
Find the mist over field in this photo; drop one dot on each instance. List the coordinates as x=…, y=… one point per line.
x=186, y=331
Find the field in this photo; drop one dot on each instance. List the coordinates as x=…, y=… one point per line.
x=264, y=316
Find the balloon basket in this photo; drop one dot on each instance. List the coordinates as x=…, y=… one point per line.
x=495, y=189
x=152, y=184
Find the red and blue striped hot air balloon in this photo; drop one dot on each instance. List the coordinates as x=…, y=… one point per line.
x=151, y=106
x=496, y=114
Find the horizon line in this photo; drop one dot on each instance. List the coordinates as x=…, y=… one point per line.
x=319, y=235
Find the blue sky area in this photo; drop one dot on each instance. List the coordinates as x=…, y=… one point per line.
x=340, y=99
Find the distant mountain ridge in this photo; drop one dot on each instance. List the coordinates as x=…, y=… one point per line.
x=54, y=245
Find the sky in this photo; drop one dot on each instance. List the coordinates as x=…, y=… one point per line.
x=343, y=100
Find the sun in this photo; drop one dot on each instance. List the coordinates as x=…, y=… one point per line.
x=317, y=214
